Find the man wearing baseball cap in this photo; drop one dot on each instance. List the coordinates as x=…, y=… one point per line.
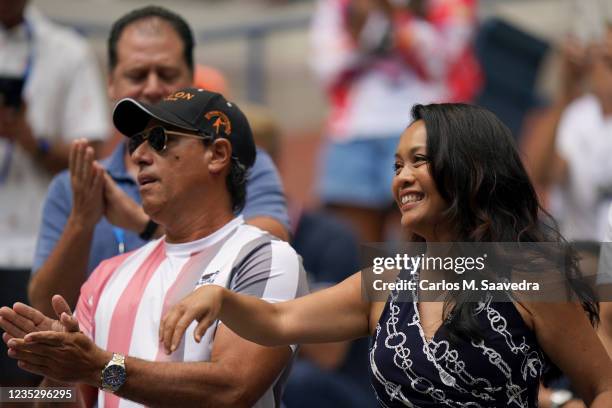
x=204, y=113
x=192, y=150
x=93, y=212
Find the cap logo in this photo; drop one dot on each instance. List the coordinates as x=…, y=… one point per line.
x=180, y=95
x=221, y=122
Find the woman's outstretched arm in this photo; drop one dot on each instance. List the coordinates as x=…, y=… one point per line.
x=567, y=337
x=334, y=314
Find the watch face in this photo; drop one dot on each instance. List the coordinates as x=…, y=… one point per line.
x=114, y=376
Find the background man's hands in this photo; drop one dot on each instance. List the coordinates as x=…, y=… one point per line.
x=87, y=180
x=120, y=209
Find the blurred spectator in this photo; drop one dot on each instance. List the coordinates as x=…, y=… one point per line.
x=205, y=77
x=326, y=375
x=150, y=55
x=511, y=60
x=568, y=156
x=571, y=147
x=211, y=79
x=377, y=58
x=50, y=93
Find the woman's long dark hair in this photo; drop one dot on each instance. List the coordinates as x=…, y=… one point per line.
x=477, y=170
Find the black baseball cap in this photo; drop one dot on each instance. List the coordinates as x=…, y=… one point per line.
x=195, y=110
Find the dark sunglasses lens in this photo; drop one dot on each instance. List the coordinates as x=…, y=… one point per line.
x=157, y=138
x=134, y=142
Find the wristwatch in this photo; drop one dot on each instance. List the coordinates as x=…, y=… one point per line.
x=114, y=375
x=560, y=397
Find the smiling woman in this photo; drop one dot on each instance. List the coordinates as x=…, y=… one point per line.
x=458, y=178
x=414, y=189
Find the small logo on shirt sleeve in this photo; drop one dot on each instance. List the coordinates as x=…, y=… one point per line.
x=207, y=278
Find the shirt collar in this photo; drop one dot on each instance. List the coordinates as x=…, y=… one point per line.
x=190, y=248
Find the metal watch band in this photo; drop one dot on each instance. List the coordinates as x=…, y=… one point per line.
x=119, y=361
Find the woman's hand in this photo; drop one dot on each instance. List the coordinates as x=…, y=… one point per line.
x=203, y=305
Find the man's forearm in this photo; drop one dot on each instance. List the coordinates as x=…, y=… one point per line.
x=65, y=270
x=238, y=374
x=53, y=156
x=182, y=384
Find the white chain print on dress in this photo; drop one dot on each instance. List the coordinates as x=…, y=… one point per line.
x=450, y=368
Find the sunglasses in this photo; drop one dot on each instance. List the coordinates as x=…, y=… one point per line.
x=157, y=137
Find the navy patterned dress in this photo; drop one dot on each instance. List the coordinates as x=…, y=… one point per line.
x=502, y=370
